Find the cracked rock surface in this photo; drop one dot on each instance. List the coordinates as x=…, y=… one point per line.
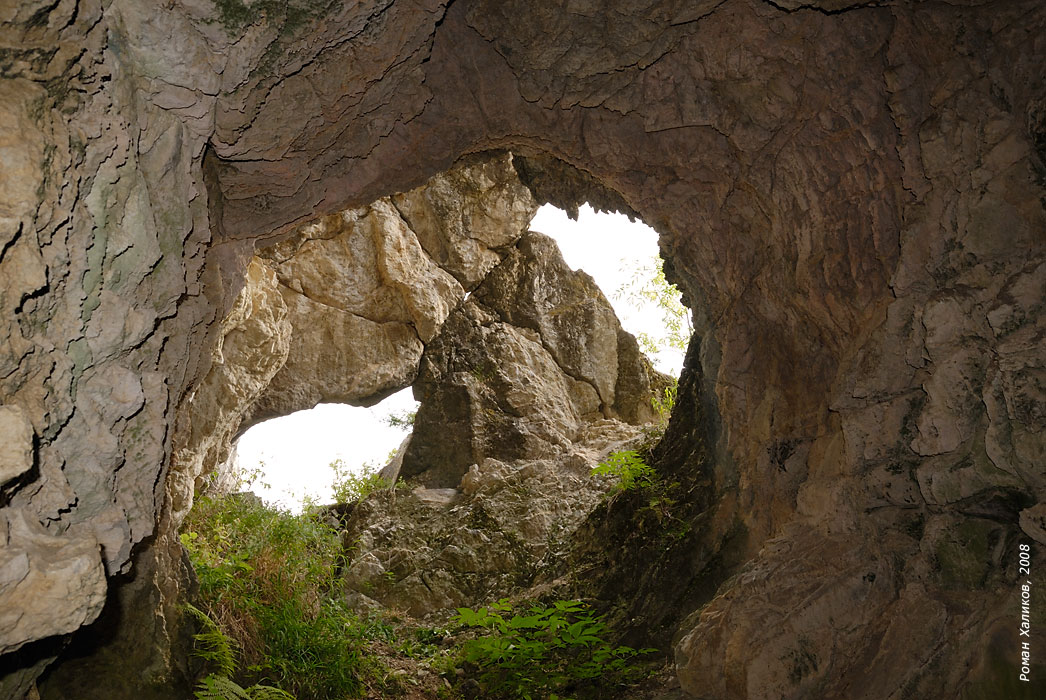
x=427, y=551
x=521, y=366
x=849, y=194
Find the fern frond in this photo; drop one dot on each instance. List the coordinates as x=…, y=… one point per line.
x=220, y=688
x=213, y=645
x=267, y=692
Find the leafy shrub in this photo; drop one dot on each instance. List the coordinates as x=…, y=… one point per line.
x=648, y=287
x=269, y=580
x=403, y=420
x=350, y=486
x=545, y=651
x=629, y=467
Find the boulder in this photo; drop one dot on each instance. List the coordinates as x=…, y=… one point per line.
x=535, y=352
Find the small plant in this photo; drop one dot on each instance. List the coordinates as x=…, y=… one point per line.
x=403, y=420
x=350, y=486
x=659, y=499
x=629, y=467
x=254, y=477
x=221, y=688
x=545, y=651
x=664, y=404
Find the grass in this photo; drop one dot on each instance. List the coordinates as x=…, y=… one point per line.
x=268, y=579
x=274, y=624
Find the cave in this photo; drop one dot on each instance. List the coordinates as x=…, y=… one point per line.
x=850, y=196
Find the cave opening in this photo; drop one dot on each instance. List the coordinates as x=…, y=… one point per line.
x=519, y=332
x=297, y=459
x=849, y=192
x=304, y=457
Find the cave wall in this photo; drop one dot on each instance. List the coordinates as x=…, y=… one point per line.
x=850, y=195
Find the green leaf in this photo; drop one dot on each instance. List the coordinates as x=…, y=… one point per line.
x=220, y=688
x=267, y=692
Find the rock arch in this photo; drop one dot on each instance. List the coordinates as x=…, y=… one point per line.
x=850, y=196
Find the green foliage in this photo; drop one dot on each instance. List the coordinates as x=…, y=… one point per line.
x=659, y=496
x=630, y=468
x=545, y=651
x=211, y=645
x=222, y=688
x=269, y=580
x=647, y=288
x=350, y=486
x=253, y=477
x=664, y=404
x=424, y=642
x=403, y=420
x=219, y=651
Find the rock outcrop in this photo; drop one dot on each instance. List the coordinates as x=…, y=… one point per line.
x=850, y=195
x=426, y=551
x=518, y=369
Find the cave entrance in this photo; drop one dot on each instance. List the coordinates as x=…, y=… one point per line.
x=303, y=457
x=296, y=459
x=623, y=257
x=515, y=328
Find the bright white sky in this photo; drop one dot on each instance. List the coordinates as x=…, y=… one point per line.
x=296, y=451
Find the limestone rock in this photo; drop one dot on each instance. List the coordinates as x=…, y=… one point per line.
x=784, y=652
x=391, y=471
x=521, y=365
x=535, y=289
x=49, y=584
x=463, y=217
x=158, y=646
x=367, y=287
x=340, y=311
x=496, y=390
x=369, y=263
x=254, y=345
x=427, y=550
x=16, y=451
x=337, y=356
x=21, y=151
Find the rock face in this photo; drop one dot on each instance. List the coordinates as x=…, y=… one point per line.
x=518, y=368
x=849, y=194
x=16, y=454
x=254, y=344
x=368, y=287
x=50, y=585
x=430, y=550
